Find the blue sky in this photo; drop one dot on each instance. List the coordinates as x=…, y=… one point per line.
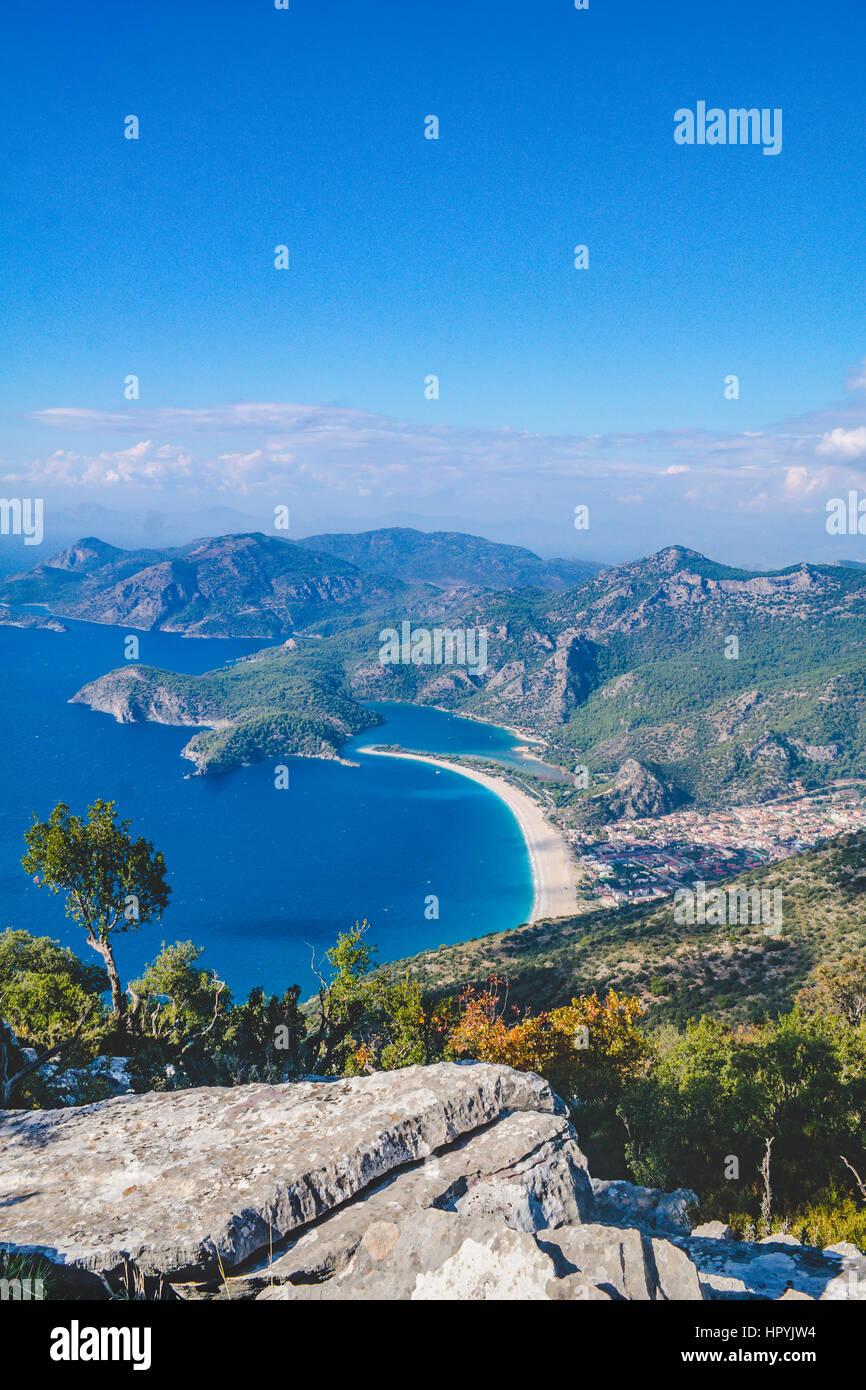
x=412, y=257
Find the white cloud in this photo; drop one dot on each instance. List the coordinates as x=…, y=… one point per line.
x=800, y=482
x=844, y=444
x=145, y=464
x=331, y=454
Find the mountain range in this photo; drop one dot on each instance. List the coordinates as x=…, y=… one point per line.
x=230, y=586
x=670, y=679
x=252, y=585
x=709, y=677
x=450, y=559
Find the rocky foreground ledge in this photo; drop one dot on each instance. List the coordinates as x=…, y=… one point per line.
x=453, y=1181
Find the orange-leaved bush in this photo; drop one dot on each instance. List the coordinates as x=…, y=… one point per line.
x=588, y=1050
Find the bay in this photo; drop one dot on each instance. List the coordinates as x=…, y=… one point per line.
x=260, y=877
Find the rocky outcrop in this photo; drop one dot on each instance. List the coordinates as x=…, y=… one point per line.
x=625, y=1263
x=456, y=1181
x=18, y=617
x=622, y=1203
x=134, y=694
x=734, y=714
x=103, y=1077
x=638, y=792
x=195, y=1180
x=817, y=752
x=776, y=1267
x=85, y=555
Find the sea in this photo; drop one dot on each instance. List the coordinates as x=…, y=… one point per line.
x=262, y=878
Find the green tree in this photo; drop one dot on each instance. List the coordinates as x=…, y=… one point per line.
x=370, y=1019
x=799, y=1081
x=45, y=989
x=837, y=990
x=342, y=998
x=112, y=882
x=264, y=1035
x=175, y=999
x=400, y=1026
x=176, y=1008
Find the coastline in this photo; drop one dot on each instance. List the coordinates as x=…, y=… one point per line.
x=527, y=737
x=554, y=872
x=525, y=734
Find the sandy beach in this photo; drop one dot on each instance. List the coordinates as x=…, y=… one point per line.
x=554, y=872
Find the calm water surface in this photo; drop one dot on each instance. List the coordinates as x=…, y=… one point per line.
x=259, y=876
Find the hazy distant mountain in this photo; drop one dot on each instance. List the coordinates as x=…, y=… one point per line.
x=260, y=586
x=232, y=586
x=135, y=530
x=450, y=558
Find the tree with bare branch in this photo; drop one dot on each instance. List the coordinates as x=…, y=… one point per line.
x=861, y=1186
x=767, y=1198
x=9, y=1084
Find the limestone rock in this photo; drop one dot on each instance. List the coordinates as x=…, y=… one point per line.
x=184, y=1182
x=714, y=1230
x=754, y=1269
x=845, y=1249
x=624, y=1263
x=624, y=1204
x=456, y=1181
x=520, y=1166
x=549, y=1186
x=433, y=1255
x=576, y=1288
x=674, y=1275
x=612, y=1259
x=638, y=792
